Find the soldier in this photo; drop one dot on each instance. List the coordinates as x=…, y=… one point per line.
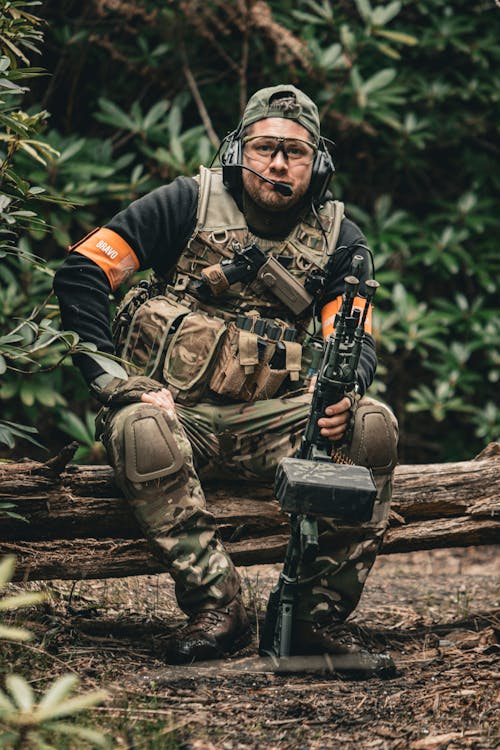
x=222, y=389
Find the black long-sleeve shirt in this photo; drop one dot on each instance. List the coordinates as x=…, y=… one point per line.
x=157, y=228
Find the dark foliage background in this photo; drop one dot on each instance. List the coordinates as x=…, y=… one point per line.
x=141, y=91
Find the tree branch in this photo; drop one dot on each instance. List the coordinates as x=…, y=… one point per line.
x=205, y=117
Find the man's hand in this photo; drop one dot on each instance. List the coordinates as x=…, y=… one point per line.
x=116, y=392
x=334, y=424
x=163, y=399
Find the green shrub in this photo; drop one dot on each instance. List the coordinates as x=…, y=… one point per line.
x=24, y=723
x=406, y=91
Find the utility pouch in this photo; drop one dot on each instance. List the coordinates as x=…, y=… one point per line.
x=285, y=360
x=148, y=335
x=246, y=369
x=234, y=371
x=215, y=278
x=190, y=354
x=284, y=286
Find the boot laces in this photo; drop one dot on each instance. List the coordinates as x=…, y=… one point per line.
x=339, y=632
x=204, y=619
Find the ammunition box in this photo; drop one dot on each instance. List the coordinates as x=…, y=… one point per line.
x=324, y=488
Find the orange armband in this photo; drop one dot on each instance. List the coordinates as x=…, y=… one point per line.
x=110, y=252
x=330, y=310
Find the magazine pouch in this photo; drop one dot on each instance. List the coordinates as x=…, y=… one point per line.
x=234, y=372
x=247, y=368
x=270, y=378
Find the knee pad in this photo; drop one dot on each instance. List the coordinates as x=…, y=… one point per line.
x=375, y=437
x=150, y=448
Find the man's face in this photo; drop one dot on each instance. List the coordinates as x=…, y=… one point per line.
x=293, y=170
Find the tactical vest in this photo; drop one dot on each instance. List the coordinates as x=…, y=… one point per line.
x=220, y=224
x=223, y=347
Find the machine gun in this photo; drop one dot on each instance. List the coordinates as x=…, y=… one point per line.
x=311, y=485
x=250, y=263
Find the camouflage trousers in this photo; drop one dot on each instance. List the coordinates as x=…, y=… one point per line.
x=159, y=464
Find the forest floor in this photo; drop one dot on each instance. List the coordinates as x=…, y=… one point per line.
x=436, y=612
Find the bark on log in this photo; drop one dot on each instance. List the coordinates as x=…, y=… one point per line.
x=80, y=526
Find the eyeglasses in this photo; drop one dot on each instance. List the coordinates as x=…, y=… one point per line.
x=264, y=148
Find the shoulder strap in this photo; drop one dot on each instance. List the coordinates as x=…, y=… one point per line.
x=217, y=210
x=325, y=240
x=204, y=180
x=334, y=210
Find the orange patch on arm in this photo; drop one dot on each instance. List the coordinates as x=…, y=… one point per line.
x=330, y=310
x=111, y=253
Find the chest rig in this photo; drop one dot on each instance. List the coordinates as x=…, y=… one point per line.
x=244, y=344
x=221, y=227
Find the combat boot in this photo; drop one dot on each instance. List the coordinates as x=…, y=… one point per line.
x=210, y=634
x=341, y=640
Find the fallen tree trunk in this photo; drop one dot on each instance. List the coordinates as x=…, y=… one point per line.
x=81, y=527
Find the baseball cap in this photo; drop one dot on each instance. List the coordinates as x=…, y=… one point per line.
x=302, y=110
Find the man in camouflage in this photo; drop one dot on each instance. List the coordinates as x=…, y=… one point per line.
x=212, y=399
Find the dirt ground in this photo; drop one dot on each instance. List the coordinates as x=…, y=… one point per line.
x=436, y=612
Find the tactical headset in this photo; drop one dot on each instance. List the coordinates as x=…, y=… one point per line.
x=231, y=155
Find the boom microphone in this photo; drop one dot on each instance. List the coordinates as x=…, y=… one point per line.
x=281, y=187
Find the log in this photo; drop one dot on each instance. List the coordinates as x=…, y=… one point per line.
x=79, y=525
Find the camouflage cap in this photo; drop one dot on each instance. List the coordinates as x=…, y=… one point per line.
x=263, y=104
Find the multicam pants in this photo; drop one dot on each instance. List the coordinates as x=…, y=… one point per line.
x=159, y=462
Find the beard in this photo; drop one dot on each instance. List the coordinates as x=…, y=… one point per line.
x=264, y=195
x=268, y=218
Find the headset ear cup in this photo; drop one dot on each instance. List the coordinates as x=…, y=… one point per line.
x=322, y=171
x=230, y=158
